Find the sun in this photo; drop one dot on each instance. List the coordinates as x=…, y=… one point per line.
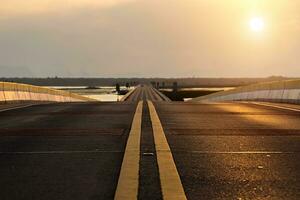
x=257, y=24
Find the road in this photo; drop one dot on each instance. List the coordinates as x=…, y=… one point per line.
x=87, y=150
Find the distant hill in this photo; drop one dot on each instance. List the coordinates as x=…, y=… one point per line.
x=182, y=82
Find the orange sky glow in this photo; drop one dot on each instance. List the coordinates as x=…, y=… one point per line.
x=171, y=38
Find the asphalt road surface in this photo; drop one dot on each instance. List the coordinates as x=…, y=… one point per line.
x=234, y=151
x=220, y=151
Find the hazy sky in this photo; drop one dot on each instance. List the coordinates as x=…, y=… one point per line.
x=149, y=38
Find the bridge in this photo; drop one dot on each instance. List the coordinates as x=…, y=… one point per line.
x=147, y=147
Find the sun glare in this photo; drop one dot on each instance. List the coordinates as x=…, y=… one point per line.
x=257, y=24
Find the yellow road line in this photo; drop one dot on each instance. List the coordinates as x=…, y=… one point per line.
x=127, y=188
x=171, y=185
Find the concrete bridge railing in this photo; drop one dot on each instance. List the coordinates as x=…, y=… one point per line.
x=127, y=95
x=278, y=91
x=12, y=92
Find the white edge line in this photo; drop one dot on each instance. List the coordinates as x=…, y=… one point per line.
x=274, y=106
x=17, y=107
x=238, y=152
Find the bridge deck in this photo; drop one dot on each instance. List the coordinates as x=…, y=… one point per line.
x=221, y=150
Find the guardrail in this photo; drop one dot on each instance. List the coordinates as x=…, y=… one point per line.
x=277, y=91
x=11, y=92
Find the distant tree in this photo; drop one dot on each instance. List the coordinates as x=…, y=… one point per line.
x=127, y=85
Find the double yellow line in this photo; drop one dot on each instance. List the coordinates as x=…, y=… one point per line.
x=128, y=183
x=171, y=186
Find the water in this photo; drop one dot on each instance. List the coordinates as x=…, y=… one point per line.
x=108, y=93
x=105, y=97
x=101, y=93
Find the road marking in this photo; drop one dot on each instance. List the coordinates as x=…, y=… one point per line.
x=275, y=106
x=154, y=94
x=238, y=152
x=178, y=151
x=171, y=185
x=151, y=97
x=57, y=152
x=16, y=107
x=127, y=188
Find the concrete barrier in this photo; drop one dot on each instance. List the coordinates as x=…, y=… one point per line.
x=161, y=95
x=278, y=91
x=127, y=95
x=15, y=92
